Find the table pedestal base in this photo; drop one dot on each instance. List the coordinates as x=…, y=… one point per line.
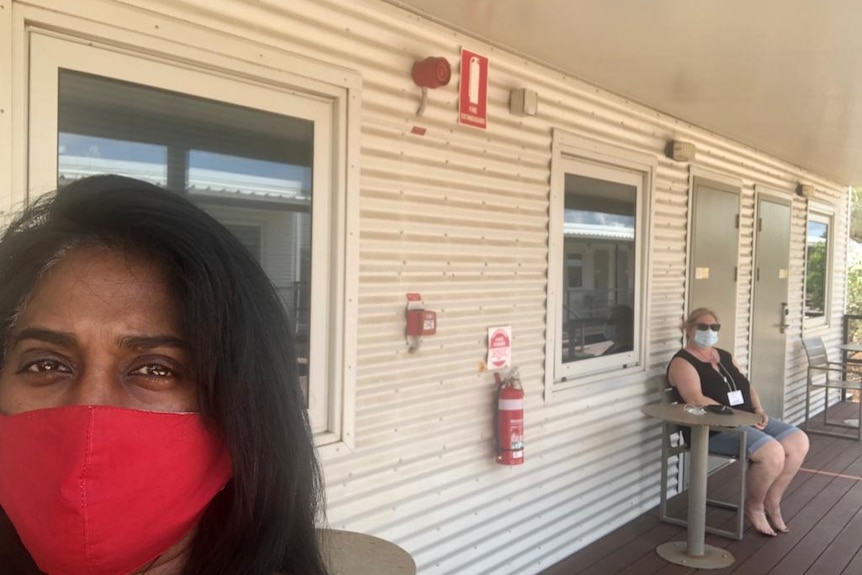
x=712, y=558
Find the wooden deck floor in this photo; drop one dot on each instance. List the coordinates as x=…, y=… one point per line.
x=822, y=507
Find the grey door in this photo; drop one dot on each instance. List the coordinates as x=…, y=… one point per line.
x=768, y=316
x=714, y=248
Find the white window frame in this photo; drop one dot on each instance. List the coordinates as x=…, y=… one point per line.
x=824, y=214
x=206, y=68
x=575, y=154
x=7, y=178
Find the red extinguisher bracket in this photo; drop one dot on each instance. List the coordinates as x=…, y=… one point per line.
x=509, y=419
x=419, y=322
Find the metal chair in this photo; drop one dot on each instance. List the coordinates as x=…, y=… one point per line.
x=672, y=445
x=824, y=374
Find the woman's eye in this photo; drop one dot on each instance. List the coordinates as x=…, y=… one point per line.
x=46, y=366
x=154, y=370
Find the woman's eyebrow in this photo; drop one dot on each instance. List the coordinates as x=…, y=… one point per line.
x=58, y=338
x=152, y=341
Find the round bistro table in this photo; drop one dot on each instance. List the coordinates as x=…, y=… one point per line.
x=351, y=553
x=694, y=552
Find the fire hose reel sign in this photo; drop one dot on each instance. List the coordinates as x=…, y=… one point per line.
x=499, y=347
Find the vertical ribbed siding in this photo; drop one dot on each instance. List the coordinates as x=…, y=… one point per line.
x=461, y=216
x=745, y=275
x=797, y=364
x=668, y=261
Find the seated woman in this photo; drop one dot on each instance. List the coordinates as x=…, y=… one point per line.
x=151, y=419
x=702, y=374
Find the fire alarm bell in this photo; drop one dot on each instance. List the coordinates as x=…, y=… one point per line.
x=432, y=72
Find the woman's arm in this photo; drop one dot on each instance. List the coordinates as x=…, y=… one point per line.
x=758, y=408
x=755, y=402
x=683, y=376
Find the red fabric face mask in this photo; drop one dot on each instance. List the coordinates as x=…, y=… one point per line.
x=97, y=490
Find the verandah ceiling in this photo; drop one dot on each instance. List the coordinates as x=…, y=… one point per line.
x=783, y=76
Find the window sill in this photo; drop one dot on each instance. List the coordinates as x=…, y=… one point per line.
x=563, y=387
x=815, y=329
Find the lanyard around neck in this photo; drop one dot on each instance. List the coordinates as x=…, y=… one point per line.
x=725, y=375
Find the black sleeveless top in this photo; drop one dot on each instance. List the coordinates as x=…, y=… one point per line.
x=716, y=384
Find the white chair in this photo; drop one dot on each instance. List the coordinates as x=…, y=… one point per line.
x=825, y=375
x=672, y=445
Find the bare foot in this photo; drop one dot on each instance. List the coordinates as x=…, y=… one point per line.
x=760, y=522
x=774, y=516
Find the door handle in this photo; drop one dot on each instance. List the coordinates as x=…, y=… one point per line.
x=783, y=324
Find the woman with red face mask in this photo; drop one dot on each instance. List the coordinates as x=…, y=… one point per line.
x=702, y=374
x=151, y=419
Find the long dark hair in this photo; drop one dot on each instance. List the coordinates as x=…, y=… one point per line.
x=242, y=345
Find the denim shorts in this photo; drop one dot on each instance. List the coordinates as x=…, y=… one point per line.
x=728, y=443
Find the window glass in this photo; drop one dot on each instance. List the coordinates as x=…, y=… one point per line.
x=82, y=155
x=249, y=236
x=250, y=169
x=817, y=267
x=575, y=270
x=598, y=303
x=274, y=200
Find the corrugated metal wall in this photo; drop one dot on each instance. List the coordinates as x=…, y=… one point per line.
x=461, y=216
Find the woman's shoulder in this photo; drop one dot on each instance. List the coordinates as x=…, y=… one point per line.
x=682, y=356
x=679, y=353
x=724, y=355
x=681, y=365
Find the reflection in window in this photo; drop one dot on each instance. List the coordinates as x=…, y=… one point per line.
x=276, y=202
x=575, y=270
x=599, y=224
x=250, y=236
x=82, y=155
x=816, y=266
x=250, y=169
x=214, y=174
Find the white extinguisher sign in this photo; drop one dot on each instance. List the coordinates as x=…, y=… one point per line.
x=473, y=92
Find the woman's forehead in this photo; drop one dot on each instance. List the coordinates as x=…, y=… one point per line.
x=88, y=285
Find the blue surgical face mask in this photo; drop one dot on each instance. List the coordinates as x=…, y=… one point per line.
x=705, y=338
x=610, y=331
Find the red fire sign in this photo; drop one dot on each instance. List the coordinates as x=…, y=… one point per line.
x=473, y=106
x=499, y=347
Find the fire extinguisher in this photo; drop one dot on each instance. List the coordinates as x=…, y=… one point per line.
x=509, y=416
